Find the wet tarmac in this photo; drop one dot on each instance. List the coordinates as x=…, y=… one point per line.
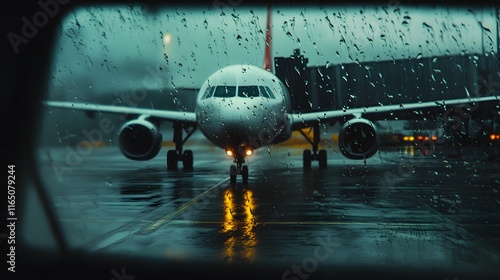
x=400, y=210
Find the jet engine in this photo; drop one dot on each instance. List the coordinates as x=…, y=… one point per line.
x=139, y=140
x=358, y=139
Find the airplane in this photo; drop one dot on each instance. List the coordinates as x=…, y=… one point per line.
x=241, y=108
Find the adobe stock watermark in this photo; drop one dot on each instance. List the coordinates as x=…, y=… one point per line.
x=49, y=9
x=310, y=264
x=75, y=156
x=121, y=276
x=30, y=27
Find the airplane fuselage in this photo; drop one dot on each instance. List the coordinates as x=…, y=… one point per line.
x=243, y=106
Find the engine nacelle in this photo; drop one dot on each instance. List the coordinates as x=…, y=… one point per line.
x=139, y=140
x=358, y=139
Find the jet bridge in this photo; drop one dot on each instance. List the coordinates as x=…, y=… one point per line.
x=372, y=83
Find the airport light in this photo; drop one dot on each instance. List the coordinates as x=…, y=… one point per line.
x=167, y=38
x=494, y=137
x=408, y=138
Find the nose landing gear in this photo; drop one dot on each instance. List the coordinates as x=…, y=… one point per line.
x=238, y=168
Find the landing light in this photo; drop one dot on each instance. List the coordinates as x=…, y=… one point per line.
x=248, y=152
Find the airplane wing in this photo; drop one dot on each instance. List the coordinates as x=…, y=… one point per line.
x=386, y=112
x=186, y=117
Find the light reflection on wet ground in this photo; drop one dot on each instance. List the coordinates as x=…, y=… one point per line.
x=401, y=207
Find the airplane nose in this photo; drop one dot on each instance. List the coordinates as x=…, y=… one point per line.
x=233, y=122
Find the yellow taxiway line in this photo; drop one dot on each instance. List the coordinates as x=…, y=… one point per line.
x=172, y=215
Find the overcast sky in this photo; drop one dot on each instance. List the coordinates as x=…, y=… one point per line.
x=120, y=46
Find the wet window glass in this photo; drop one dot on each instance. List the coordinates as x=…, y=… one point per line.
x=248, y=91
x=225, y=91
x=266, y=92
x=209, y=92
x=364, y=151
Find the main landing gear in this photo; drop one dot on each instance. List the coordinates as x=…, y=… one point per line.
x=309, y=156
x=173, y=156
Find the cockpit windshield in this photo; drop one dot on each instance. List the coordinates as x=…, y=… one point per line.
x=266, y=92
x=255, y=91
x=225, y=91
x=248, y=91
x=209, y=92
x=243, y=91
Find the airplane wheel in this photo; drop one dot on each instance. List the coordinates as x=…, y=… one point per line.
x=187, y=159
x=232, y=174
x=244, y=174
x=322, y=158
x=307, y=159
x=171, y=160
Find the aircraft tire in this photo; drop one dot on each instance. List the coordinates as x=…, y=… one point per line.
x=171, y=160
x=322, y=158
x=232, y=174
x=187, y=159
x=307, y=158
x=244, y=174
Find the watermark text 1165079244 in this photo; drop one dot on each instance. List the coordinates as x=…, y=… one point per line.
x=11, y=217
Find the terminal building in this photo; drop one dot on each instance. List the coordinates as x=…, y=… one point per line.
x=399, y=81
x=375, y=83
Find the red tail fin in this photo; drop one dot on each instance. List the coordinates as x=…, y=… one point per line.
x=267, y=53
